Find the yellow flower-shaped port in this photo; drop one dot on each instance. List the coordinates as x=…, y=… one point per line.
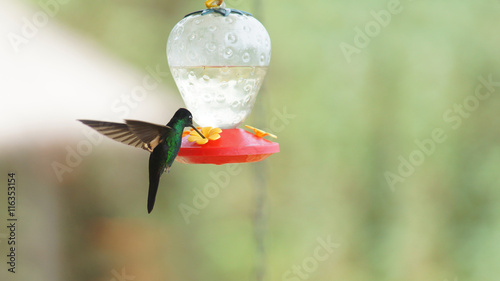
x=259, y=133
x=209, y=133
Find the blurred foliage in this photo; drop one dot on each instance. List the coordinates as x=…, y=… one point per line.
x=352, y=122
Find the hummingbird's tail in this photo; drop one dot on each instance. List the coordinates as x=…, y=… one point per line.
x=153, y=188
x=156, y=167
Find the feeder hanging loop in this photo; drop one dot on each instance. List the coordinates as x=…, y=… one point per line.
x=219, y=7
x=213, y=3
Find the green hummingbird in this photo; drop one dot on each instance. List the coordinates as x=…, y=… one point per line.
x=163, y=142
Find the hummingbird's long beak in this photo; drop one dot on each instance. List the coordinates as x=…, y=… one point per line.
x=198, y=131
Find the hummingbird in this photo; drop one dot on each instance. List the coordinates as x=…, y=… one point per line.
x=163, y=142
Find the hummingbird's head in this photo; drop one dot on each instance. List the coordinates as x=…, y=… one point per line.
x=185, y=118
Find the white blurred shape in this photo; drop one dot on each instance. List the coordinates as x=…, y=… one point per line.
x=59, y=76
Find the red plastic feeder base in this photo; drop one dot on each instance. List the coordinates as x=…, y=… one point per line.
x=234, y=146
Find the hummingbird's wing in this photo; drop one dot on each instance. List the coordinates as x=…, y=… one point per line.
x=137, y=133
x=117, y=131
x=150, y=134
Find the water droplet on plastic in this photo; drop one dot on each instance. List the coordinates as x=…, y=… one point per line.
x=247, y=88
x=246, y=57
x=228, y=52
x=178, y=32
x=220, y=98
x=210, y=47
x=231, y=38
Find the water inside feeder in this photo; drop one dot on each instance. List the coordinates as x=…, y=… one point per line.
x=219, y=96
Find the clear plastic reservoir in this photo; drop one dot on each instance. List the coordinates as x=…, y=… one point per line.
x=218, y=63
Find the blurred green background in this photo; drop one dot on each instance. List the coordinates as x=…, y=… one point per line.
x=352, y=119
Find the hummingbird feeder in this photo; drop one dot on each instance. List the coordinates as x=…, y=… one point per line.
x=219, y=58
